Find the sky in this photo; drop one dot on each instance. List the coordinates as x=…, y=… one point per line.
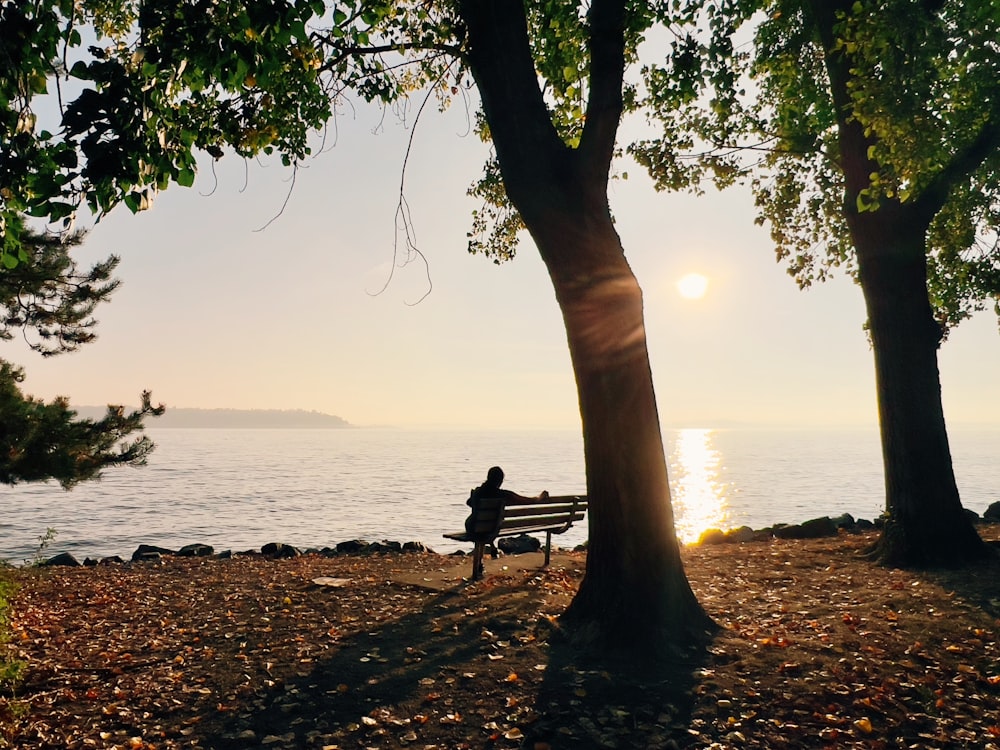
x=232, y=298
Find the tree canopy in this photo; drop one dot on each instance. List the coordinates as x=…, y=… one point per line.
x=40, y=440
x=870, y=133
x=745, y=95
x=48, y=300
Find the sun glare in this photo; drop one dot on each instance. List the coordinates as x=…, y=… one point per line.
x=698, y=494
x=693, y=286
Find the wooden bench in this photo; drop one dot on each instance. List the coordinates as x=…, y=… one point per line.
x=494, y=518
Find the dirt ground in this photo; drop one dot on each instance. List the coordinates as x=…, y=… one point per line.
x=818, y=648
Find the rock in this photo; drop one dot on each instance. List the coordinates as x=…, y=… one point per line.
x=819, y=527
x=787, y=531
x=814, y=528
x=992, y=513
x=741, y=535
x=90, y=562
x=517, y=545
x=972, y=516
x=111, y=560
x=844, y=521
x=384, y=546
x=64, y=559
x=352, y=547
x=279, y=550
x=195, y=550
x=712, y=536
x=416, y=547
x=337, y=583
x=863, y=524
x=149, y=552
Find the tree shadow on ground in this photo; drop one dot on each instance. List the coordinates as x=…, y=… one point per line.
x=605, y=703
x=473, y=668
x=976, y=584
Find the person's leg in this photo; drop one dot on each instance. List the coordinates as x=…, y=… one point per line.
x=477, y=561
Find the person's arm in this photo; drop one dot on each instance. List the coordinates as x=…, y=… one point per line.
x=513, y=497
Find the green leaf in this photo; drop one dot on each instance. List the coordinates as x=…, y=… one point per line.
x=185, y=177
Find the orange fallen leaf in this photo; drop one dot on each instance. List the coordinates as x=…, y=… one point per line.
x=864, y=725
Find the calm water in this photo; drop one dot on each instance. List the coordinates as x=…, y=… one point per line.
x=239, y=489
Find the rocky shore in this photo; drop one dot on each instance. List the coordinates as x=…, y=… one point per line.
x=819, y=528
x=815, y=528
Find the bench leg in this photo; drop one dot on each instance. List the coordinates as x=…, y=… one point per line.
x=477, y=560
x=548, y=547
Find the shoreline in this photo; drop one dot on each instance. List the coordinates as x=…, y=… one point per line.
x=816, y=528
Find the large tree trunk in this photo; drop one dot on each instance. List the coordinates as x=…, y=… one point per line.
x=635, y=596
x=635, y=592
x=925, y=521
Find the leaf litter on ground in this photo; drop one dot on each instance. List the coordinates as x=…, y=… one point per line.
x=818, y=648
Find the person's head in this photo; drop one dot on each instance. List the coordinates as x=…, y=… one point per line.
x=494, y=477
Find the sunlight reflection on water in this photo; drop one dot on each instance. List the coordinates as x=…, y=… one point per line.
x=699, y=494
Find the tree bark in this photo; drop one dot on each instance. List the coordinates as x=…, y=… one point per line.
x=925, y=522
x=635, y=593
x=635, y=596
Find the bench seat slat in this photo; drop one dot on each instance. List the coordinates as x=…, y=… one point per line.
x=516, y=511
x=541, y=522
x=550, y=500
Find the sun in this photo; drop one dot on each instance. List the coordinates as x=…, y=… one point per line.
x=693, y=286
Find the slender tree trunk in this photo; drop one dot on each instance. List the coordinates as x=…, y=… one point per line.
x=635, y=596
x=925, y=523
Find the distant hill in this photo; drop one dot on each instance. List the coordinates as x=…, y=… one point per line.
x=233, y=418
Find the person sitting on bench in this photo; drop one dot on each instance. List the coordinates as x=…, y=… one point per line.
x=491, y=489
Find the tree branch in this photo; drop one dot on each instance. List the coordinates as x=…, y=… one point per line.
x=607, y=71
x=528, y=146
x=345, y=52
x=962, y=164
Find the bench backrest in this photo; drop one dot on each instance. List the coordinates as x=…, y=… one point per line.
x=555, y=514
